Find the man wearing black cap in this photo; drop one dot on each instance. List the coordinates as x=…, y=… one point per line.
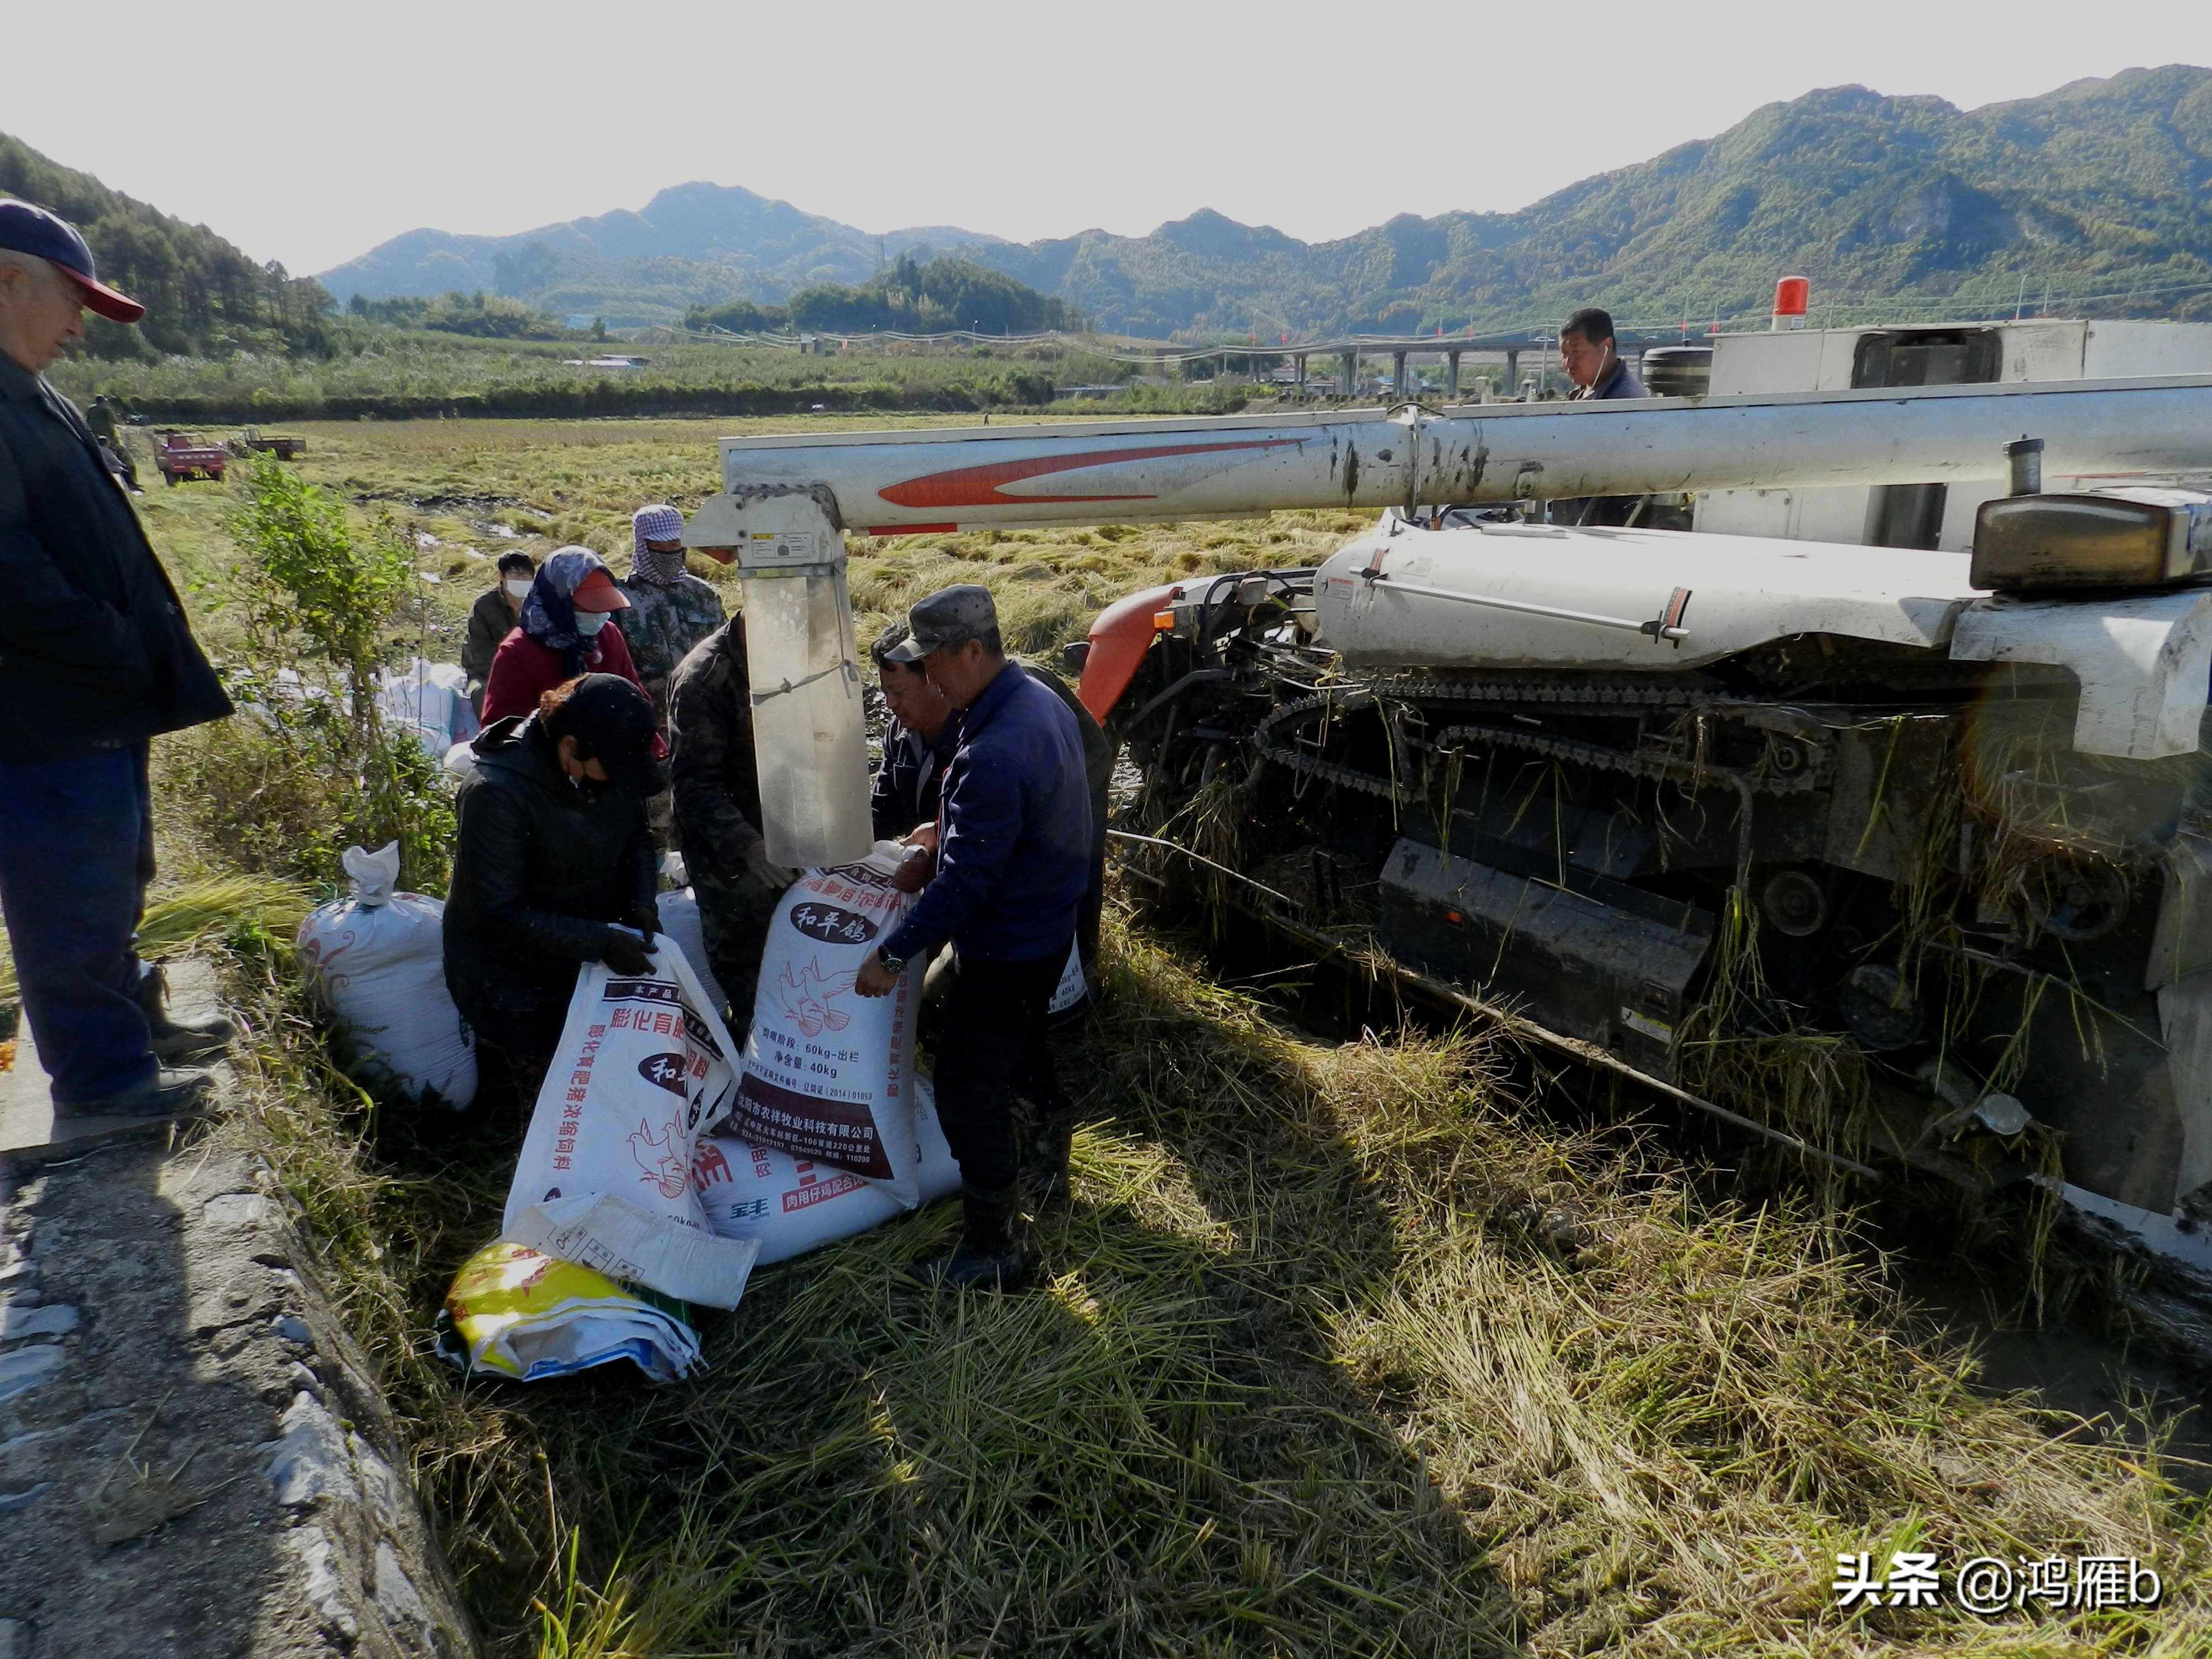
x=93, y=640
x=1012, y=859
x=552, y=861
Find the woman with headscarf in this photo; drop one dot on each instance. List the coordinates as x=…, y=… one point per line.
x=671, y=610
x=562, y=632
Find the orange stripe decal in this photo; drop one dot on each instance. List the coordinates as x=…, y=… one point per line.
x=979, y=486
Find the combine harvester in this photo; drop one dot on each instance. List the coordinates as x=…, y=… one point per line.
x=1891, y=853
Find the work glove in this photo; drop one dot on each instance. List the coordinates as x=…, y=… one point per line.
x=644, y=919
x=625, y=953
x=771, y=875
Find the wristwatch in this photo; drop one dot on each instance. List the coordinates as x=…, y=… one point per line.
x=893, y=965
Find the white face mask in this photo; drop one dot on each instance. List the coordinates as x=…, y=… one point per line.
x=589, y=622
x=518, y=585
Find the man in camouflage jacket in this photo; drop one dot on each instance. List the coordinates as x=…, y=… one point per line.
x=671, y=609
x=710, y=729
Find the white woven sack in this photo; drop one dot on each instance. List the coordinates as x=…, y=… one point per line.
x=642, y=1070
x=679, y=920
x=790, y=1206
x=940, y=1170
x=376, y=960
x=826, y=1069
x=787, y=1206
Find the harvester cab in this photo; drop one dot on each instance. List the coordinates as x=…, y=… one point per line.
x=1897, y=854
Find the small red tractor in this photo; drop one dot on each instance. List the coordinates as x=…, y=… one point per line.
x=180, y=455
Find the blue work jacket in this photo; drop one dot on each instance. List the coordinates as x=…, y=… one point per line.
x=1013, y=853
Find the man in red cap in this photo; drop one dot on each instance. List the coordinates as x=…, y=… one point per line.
x=93, y=638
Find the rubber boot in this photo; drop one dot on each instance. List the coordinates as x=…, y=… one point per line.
x=1046, y=1138
x=988, y=1257
x=165, y=1094
x=173, y=1041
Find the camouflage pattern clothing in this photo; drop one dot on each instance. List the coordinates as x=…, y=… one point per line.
x=665, y=620
x=710, y=731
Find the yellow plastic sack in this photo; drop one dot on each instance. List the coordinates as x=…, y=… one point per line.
x=517, y=1312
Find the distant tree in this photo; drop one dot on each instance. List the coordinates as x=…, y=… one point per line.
x=931, y=299
x=739, y=317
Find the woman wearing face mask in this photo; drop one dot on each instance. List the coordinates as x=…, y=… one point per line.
x=491, y=620
x=552, y=862
x=562, y=632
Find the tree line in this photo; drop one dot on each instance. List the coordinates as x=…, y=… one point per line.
x=908, y=298
x=203, y=295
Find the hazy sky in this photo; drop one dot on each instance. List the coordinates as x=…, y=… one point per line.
x=308, y=132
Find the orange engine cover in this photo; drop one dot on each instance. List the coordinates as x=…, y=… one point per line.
x=1119, y=638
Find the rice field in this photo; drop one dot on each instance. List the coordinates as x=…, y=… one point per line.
x=1341, y=1348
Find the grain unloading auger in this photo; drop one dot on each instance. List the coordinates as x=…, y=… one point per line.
x=1902, y=854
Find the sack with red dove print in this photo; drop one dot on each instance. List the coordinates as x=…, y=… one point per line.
x=828, y=1072
x=643, y=1070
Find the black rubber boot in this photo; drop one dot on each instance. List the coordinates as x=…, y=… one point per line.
x=165, y=1094
x=174, y=1041
x=988, y=1257
x=1045, y=1142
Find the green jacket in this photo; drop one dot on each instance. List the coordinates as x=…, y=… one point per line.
x=710, y=738
x=663, y=624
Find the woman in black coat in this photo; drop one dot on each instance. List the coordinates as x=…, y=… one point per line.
x=552, y=862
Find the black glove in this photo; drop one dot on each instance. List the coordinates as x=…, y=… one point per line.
x=645, y=919
x=625, y=953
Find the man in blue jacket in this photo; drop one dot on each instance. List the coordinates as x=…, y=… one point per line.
x=95, y=659
x=1012, y=851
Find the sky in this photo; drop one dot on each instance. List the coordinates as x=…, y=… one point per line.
x=311, y=132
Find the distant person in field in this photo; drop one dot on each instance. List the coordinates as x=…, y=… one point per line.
x=671, y=610
x=95, y=658
x=552, y=861
x=1598, y=373
x=100, y=419
x=561, y=632
x=491, y=619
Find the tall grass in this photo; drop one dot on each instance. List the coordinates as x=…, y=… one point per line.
x=1334, y=1353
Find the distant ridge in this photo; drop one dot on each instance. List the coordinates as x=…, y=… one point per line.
x=200, y=293
x=2097, y=189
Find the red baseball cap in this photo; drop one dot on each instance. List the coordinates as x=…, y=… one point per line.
x=27, y=229
x=598, y=592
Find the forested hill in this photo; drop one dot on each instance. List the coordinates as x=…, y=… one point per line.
x=2096, y=192
x=2097, y=189
x=201, y=294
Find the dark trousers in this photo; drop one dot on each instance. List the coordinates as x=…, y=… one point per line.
x=735, y=912
x=77, y=852
x=991, y=1047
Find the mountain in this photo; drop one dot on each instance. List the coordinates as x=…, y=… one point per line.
x=693, y=244
x=201, y=294
x=2096, y=191
x=2096, y=187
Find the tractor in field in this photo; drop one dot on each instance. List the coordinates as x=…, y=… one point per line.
x=181, y=455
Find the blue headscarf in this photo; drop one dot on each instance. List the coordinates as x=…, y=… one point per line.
x=549, y=614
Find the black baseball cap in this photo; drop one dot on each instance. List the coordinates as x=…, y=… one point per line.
x=614, y=724
x=27, y=229
x=950, y=616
